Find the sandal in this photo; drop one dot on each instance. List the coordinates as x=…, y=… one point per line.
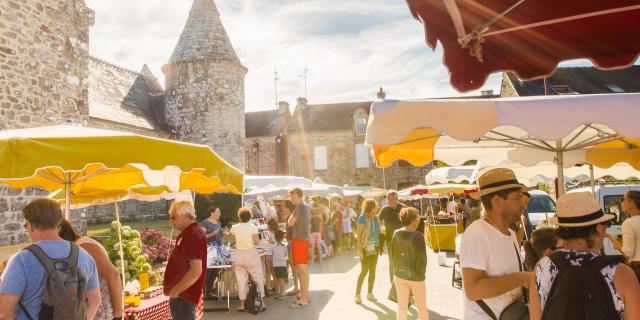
x=240, y=309
x=297, y=305
x=292, y=293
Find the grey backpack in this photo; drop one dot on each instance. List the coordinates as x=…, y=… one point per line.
x=64, y=293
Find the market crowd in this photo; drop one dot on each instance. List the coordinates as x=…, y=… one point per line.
x=563, y=274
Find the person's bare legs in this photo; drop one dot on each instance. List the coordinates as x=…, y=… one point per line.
x=402, y=290
x=294, y=275
x=419, y=290
x=268, y=274
x=303, y=277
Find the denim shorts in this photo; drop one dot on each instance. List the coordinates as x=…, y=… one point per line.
x=182, y=309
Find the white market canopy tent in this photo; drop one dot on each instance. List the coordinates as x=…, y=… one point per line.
x=278, y=187
x=533, y=175
x=563, y=130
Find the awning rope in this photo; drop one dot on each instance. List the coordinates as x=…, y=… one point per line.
x=475, y=38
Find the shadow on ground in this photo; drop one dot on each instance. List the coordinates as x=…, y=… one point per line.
x=342, y=263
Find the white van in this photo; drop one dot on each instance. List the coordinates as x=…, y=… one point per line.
x=541, y=208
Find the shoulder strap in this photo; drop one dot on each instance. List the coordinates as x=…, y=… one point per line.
x=72, y=260
x=25, y=311
x=518, y=256
x=486, y=309
x=602, y=261
x=413, y=235
x=42, y=257
x=559, y=260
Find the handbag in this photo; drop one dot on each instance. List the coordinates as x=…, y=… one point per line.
x=370, y=249
x=517, y=310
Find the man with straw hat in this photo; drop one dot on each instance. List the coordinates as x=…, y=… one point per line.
x=577, y=282
x=489, y=256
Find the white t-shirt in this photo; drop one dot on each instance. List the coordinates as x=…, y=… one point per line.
x=485, y=248
x=347, y=214
x=244, y=235
x=451, y=207
x=631, y=238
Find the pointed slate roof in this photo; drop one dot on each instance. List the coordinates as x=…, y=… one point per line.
x=204, y=36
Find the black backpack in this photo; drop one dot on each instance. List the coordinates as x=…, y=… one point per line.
x=253, y=304
x=580, y=292
x=403, y=256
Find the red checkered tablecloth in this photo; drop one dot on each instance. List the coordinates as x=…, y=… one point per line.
x=155, y=309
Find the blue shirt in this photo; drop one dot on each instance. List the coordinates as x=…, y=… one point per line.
x=374, y=230
x=24, y=275
x=211, y=227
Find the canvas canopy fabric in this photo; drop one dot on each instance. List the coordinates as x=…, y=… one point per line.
x=521, y=130
x=561, y=130
x=527, y=37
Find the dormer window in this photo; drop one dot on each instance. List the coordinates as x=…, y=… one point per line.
x=615, y=88
x=361, y=126
x=562, y=89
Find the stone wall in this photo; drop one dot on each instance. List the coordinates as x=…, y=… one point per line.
x=205, y=104
x=129, y=210
x=43, y=62
x=11, y=219
x=341, y=162
x=506, y=88
x=260, y=155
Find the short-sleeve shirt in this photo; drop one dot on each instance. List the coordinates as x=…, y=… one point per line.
x=374, y=229
x=191, y=244
x=279, y=255
x=391, y=219
x=24, y=275
x=485, y=248
x=300, y=230
x=244, y=235
x=211, y=227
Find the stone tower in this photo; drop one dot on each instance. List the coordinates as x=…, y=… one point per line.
x=204, y=84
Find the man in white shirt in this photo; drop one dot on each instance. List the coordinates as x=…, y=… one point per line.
x=489, y=252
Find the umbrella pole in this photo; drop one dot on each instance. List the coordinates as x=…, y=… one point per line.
x=120, y=251
x=67, y=195
x=593, y=180
x=560, y=164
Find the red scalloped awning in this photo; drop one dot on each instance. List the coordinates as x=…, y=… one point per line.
x=532, y=38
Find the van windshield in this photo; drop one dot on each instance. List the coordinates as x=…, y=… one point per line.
x=541, y=204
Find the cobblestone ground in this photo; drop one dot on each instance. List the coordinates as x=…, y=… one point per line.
x=333, y=285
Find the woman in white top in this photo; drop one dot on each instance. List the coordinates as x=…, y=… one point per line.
x=247, y=259
x=630, y=246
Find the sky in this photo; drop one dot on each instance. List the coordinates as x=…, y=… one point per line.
x=350, y=48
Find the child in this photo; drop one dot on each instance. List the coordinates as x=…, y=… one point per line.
x=272, y=223
x=280, y=264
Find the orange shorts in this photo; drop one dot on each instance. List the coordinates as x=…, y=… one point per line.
x=299, y=252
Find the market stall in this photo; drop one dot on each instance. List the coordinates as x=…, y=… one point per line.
x=95, y=166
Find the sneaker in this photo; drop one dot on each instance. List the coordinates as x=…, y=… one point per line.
x=358, y=299
x=371, y=297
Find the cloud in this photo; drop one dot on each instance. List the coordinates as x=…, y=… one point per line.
x=350, y=47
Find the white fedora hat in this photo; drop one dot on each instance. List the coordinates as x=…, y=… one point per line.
x=579, y=209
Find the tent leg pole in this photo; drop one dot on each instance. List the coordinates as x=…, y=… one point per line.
x=67, y=195
x=593, y=180
x=560, y=164
x=384, y=180
x=120, y=251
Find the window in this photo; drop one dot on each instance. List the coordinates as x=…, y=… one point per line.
x=361, y=126
x=541, y=204
x=362, y=156
x=320, y=158
x=615, y=88
x=562, y=89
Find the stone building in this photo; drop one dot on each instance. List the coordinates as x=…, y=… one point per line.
x=47, y=77
x=321, y=140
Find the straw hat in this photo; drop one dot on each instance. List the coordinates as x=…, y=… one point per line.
x=579, y=209
x=495, y=180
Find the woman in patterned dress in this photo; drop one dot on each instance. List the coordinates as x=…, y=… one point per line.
x=582, y=226
x=110, y=284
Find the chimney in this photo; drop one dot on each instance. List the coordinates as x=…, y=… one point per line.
x=302, y=103
x=487, y=93
x=283, y=108
x=381, y=94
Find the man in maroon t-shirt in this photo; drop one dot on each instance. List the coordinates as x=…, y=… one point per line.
x=186, y=269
